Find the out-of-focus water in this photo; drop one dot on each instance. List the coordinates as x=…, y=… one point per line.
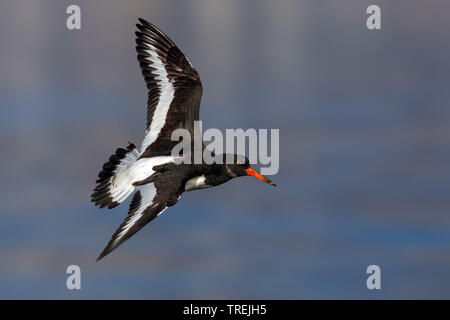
x=364, y=150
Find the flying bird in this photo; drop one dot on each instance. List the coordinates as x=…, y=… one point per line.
x=151, y=172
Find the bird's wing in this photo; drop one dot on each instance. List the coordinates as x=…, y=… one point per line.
x=174, y=88
x=160, y=191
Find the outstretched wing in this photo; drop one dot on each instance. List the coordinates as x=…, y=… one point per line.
x=160, y=191
x=174, y=88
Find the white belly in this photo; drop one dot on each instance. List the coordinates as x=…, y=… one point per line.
x=196, y=183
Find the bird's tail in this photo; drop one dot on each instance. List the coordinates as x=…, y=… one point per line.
x=112, y=186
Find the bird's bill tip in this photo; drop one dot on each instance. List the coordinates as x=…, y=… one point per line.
x=253, y=173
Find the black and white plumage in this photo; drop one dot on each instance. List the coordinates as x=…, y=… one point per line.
x=150, y=172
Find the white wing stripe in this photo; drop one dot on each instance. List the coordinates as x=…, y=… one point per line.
x=148, y=192
x=165, y=98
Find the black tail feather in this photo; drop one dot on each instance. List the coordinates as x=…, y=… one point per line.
x=101, y=195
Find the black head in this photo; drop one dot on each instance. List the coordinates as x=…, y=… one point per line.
x=238, y=166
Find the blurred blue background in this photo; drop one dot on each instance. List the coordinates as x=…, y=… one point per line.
x=364, y=150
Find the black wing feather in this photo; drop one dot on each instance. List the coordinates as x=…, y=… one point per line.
x=168, y=186
x=185, y=105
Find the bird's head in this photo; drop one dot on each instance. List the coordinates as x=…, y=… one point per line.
x=241, y=167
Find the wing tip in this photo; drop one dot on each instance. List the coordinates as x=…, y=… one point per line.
x=145, y=25
x=143, y=21
x=108, y=249
x=101, y=256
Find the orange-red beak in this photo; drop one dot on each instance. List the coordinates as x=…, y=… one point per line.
x=253, y=173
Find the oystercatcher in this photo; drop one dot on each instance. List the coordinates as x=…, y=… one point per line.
x=151, y=172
